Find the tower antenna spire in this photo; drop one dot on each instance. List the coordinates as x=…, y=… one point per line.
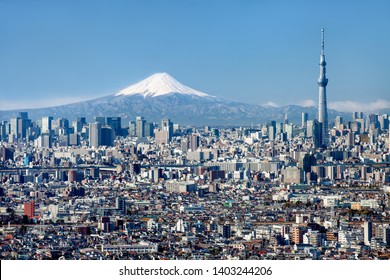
x=322, y=41
x=322, y=106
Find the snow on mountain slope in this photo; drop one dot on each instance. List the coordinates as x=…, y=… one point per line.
x=159, y=84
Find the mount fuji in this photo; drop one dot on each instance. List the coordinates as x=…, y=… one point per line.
x=160, y=96
x=159, y=84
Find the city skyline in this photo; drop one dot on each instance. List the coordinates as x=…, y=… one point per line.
x=166, y=192
x=63, y=52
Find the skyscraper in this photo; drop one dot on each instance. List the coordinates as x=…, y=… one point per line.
x=304, y=119
x=167, y=125
x=107, y=136
x=14, y=127
x=140, y=126
x=314, y=129
x=120, y=204
x=78, y=124
x=149, y=129
x=24, y=123
x=46, y=124
x=116, y=124
x=95, y=134
x=194, y=142
x=338, y=121
x=322, y=107
x=272, y=130
x=132, y=129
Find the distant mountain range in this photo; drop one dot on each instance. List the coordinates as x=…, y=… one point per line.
x=160, y=95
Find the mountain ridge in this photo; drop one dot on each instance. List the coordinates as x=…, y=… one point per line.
x=160, y=95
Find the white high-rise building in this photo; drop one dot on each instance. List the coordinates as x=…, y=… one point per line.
x=95, y=134
x=46, y=124
x=367, y=233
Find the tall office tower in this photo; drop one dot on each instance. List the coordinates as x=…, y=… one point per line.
x=46, y=124
x=367, y=233
x=322, y=107
x=350, y=139
x=14, y=128
x=24, y=123
x=107, y=136
x=44, y=141
x=78, y=124
x=304, y=119
x=3, y=130
x=120, y=204
x=373, y=121
x=388, y=138
x=289, y=130
x=167, y=125
x=60, y=126
x=116, y=124
x=74, y=139
x=149, y=129
x=194, y=142
x=184, y=144
x=306, y=161
x=95, y=134
x=271, y=133
x=279, y=128
x=314, y=131
x=272, y=130
x=338, y=121
x=140, y=126
x=132, y=129
x=384, y=122
x=23, y=115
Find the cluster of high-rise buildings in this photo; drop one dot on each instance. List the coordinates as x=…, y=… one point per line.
x=49, y=132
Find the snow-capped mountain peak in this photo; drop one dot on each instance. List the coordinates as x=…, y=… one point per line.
x=159, y=84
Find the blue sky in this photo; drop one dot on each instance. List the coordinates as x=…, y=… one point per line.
x=264, y=52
